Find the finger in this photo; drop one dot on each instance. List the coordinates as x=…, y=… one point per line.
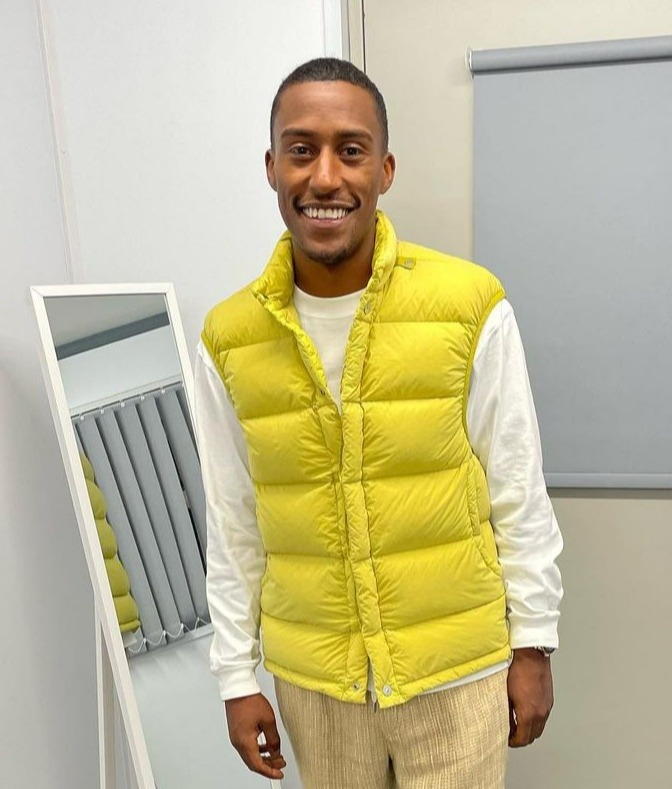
x=520, y=739
x=265, y=748
x=538, y=728
x=256, y=763
x=276, y=764
x=523, y=733
x=271, y=737
x=269, y=730
x=275, y=759
x=527, y=730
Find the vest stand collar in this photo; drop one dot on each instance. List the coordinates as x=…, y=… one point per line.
x=275, y=287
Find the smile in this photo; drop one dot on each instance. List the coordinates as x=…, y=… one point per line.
x=325, y=213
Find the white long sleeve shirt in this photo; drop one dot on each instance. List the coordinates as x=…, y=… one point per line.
x=504, y=435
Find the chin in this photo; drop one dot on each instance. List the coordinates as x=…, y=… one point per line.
x=330, y=259
x=327, y=257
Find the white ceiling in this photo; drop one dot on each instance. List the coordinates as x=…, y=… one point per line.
x=75, y=317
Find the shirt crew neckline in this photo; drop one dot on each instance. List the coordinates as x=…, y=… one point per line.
x=326, y=306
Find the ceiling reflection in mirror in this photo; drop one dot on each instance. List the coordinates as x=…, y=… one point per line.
x=124, y=387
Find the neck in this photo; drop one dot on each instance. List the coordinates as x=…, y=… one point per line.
x=328, y=281
x=338, y=279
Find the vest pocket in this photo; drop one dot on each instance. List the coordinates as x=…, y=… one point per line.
x=488, y=549
x=472, y=501
x=488, y=553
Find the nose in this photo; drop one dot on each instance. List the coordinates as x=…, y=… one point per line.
x=325, y=177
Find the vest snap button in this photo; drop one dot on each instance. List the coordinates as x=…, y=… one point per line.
x=356, y=686
x=387, y=690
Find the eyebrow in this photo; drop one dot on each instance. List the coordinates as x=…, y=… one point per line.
x=350, y=134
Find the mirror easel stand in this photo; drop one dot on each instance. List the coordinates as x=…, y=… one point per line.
x=105, y=697
x=113, y=747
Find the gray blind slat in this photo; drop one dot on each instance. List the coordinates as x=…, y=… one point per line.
x=182, y=399
x=186, y=457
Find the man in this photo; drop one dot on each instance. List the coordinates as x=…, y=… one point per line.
x=352, y=402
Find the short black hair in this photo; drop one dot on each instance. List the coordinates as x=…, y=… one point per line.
x=333, y=70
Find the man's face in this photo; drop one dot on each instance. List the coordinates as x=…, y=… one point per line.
x=328, y=166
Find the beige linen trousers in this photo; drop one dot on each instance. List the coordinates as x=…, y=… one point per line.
x=452, y=739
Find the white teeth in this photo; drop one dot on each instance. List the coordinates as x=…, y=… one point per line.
x=325, y=213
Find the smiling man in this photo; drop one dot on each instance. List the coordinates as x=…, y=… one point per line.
x=371, y=461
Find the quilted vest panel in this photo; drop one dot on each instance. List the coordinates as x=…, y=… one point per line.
x=375, y=519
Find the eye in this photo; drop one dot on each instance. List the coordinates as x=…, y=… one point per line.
x=299, y=150
x=352, y=150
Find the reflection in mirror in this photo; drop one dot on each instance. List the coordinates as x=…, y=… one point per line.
x=123, y=384
x=117, y=373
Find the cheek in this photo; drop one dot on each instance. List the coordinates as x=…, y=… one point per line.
x=285, y=190
x=286, y=202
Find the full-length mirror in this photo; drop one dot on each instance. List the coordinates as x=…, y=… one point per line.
x=119, y=381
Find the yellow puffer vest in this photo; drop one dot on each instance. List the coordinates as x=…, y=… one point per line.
x=124, y=604
x=374, y=521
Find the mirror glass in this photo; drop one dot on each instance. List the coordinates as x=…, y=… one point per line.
x=124, y=384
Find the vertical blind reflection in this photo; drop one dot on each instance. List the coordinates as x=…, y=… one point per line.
x=145, y=461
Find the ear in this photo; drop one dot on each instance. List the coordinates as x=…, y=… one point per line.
x=389, y=169
x=269, y=159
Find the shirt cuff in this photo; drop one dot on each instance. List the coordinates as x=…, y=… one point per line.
x=543, y=633
x=237, y=682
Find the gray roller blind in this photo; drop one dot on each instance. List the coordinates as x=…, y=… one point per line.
x=145, y=461
x=573, y=187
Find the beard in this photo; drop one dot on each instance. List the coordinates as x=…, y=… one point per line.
x=329, y=258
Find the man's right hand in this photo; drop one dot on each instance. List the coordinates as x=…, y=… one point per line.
x=247, y=718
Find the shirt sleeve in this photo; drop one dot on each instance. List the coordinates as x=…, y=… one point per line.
x=504, y=434
x=235, y=554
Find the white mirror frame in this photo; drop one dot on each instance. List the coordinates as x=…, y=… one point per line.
x=109, y=645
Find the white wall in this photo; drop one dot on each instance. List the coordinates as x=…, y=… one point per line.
x=610, y=723
x=165, y=109
x=47, y=675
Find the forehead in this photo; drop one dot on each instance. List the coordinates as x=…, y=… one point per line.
x=326, y=108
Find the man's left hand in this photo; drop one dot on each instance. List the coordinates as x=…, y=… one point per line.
x=530, y=687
